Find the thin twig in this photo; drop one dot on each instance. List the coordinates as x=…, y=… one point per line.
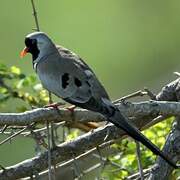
x=77, y=169
x=29, y=133
x=136, y=175
x=132, y=95
x=81, y=157
x=4, y=128
x=53, y=144
x=44, y=129
x=138, y=152
x=49, y=134
x=52, y=124
x=14, y=135
x=156, y=120
x=49, y=151
x=2, y=167
x=50, y=140
x=35, y=16
x=177, y=73
x=150, y=94
x=107, y=161
x=96, y=166
x=39, y=138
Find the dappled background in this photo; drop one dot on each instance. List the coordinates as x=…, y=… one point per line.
x=129, y=44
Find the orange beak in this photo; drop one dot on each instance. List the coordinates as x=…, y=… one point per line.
x=24, y=52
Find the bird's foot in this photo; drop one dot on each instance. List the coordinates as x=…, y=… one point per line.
x=71, y=108
x=54, y=105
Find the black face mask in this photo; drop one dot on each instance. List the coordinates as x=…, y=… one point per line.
x=31, y=44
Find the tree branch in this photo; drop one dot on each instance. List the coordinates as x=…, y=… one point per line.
x=86, y=142
x=141, y=113
x=63, y=152
x=172, y=147
x=41, y=115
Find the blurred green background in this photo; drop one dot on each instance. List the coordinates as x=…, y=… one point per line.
x=129, y=44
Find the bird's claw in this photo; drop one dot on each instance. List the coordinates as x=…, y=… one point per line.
x=54, y=105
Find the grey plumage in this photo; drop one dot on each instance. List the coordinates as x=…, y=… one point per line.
x=66, y=75
x=64, y=64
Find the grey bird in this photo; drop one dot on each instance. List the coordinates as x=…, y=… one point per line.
x=66, y=75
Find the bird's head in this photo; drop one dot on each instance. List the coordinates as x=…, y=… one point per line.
x=38, y=44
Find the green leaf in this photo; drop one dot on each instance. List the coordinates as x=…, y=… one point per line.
x=72, y=135
x=38, y=87
x=3, y=90
x=27, y=81
x=15, y=70
x=32, y=78
x=3, y=98
x=3, y=67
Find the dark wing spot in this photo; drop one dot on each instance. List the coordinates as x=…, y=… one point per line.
x=65, y=79
x=77, y=82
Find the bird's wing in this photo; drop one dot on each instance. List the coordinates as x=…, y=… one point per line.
x=83, y=83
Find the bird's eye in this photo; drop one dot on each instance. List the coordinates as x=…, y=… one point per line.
x=29, y=42
x=33, y=41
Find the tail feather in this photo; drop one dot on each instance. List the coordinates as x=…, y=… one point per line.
x=115, y=117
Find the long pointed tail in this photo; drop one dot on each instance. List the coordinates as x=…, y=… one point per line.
x=114, y=116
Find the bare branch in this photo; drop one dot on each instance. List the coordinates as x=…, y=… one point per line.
x=162, y=170
x=49, y=151
x=150, y=94
x=35, y=16
x=141, y=113
x=132, y=95
x=67, y=150
x=62, y=153
x=15, y=134
x=138, y=110
x=138, y=152
x=85, y=161
x=136, y=175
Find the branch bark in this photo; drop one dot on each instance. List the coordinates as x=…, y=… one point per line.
x=85, y=142
x=138, y=110
x=170, y=92
x=63, y=152
x=141, y=113
x=172, y=147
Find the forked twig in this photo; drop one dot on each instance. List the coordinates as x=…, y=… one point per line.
x=150, y=94
x=15, y=134
x=138, y=152
x=4, y=128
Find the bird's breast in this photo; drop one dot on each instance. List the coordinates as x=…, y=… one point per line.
x=55, y=79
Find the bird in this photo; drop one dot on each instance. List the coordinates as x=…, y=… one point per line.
x=67, y=75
